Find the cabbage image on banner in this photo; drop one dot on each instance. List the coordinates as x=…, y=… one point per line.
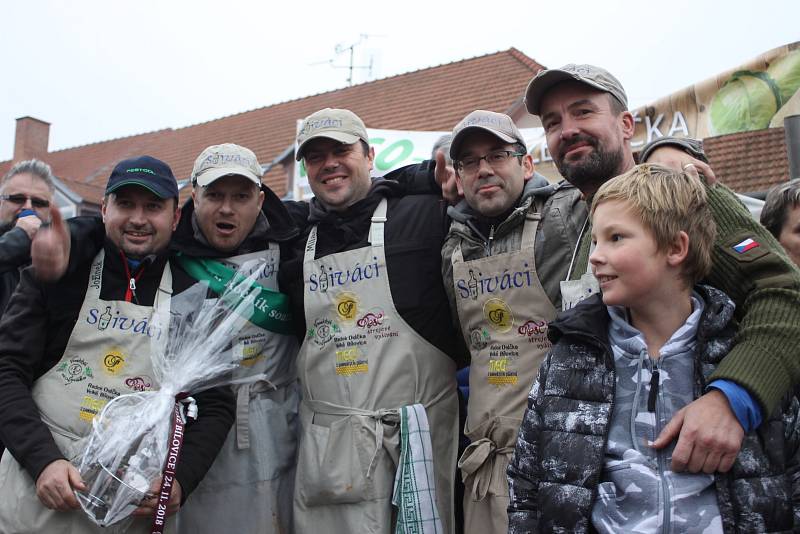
x=749, y=99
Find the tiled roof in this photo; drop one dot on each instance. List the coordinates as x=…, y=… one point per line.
x=749, y=161
x=435, y=98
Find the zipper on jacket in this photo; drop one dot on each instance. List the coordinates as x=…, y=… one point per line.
x=660, y=454
x=130, y=293
x=491, y=240
x=653, y=395
x=132, y=287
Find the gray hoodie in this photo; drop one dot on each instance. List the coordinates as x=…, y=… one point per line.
x=638, y=492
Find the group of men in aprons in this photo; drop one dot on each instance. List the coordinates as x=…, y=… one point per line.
x=349, y=423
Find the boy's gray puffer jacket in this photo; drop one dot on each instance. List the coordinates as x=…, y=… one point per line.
x=556, y=467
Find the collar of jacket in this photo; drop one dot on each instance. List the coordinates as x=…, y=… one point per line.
x=114, y=261
x=379, y=189
x=273, y=224
x=589, y=319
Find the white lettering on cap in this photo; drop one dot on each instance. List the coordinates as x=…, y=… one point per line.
x=483, y=120
x=221, y=159
x=317, y=124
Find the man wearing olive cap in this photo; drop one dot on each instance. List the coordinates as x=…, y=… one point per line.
x=583, y=110
x=233, y=220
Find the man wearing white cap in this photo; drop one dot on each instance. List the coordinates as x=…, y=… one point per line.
x=379, y=414
x=232, y=219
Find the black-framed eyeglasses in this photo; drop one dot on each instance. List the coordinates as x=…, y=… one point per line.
x=495, y=158
x=36, y=202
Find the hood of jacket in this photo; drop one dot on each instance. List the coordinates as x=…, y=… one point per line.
x=590, y=317
x=536, y=186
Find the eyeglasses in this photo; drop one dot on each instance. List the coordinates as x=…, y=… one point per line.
x=21, y=199
x=495, y=158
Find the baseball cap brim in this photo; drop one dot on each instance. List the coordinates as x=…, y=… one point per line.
x=157, y=190
x=342, y=137
x=545, y=81
x=208, y=177
x=458, y=139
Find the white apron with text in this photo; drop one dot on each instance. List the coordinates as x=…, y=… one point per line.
x=504, y=313
x=249, y=487
x=107, y=355
x=359, y=364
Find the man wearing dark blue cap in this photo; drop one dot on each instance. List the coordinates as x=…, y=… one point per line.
x=66, y=349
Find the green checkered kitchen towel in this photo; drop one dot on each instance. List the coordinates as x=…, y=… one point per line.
x=414, y=486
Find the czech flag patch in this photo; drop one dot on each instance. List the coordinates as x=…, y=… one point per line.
x=744, y=246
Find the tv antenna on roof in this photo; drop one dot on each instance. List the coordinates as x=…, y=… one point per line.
x=342, y=48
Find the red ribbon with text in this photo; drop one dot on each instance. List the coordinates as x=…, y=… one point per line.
x=168, y=474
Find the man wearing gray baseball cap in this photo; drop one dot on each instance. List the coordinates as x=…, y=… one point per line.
x=378, y=380
x=233, y=219
x=507, y=249
x=583, y=110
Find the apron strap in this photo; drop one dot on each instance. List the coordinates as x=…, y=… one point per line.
x=378, y=220
x=530, y=226
x=577, y=246
x=311, y=246
x=375, y=232
x=383, y=416
x=479, y=458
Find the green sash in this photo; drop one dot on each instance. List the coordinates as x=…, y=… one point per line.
x=267, y=309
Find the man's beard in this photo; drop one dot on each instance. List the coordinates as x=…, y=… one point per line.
x=594, y=169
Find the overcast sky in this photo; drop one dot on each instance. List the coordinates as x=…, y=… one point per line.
x=99, y=69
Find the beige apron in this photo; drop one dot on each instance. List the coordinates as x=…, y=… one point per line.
x=249, y=487
x=504, y=313
x=107, y=355
x=361, y=362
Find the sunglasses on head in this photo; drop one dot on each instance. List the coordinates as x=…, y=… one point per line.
x=21, y=199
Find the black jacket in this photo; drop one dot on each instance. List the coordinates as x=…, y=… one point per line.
x=33, y=335
x=557, y=464
x=15, y=253
x=414, y=234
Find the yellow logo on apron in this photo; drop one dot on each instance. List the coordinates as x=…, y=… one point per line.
x=347, y=306
x=350, y=361
x=113, y=361
x=90, y=407
x=248, y=351
x=498, y=314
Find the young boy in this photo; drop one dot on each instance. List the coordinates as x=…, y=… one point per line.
x=622, y=364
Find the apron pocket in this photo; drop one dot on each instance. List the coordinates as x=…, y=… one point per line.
x=334, y=462
x=273, y=436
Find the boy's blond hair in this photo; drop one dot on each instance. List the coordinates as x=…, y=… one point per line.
x=667, y=202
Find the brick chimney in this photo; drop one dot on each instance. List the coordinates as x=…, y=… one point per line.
x=31, y=139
